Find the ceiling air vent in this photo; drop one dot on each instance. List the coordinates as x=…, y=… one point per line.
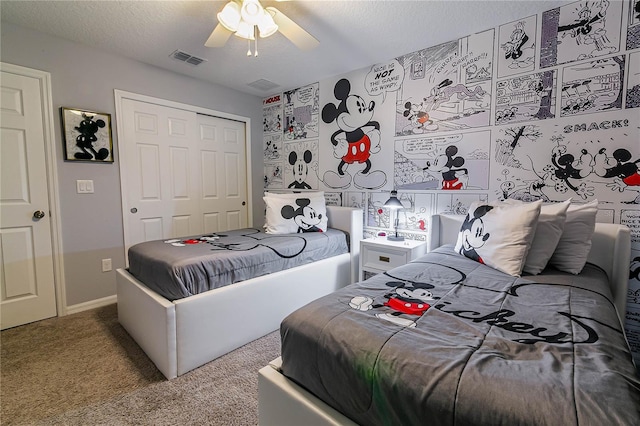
x=185, y=57
x=263, y=84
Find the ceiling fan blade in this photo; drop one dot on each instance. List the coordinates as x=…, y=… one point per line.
x=218, y=37
x=294, y=32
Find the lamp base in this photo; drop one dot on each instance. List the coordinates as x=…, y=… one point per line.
x=395, y=238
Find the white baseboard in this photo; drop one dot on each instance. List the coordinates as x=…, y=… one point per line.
x=85, y=306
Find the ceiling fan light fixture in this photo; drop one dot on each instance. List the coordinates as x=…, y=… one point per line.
x=249, y=20
x=251, y=11
x=245, y=30
x=266, y=25
x=229, y=16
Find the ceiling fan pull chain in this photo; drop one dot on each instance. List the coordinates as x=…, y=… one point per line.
x=249, y=47
x=255, y=43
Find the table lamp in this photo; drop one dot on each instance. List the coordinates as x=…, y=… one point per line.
x=394, y=205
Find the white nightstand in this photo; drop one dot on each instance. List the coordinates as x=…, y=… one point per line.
x=379, y=254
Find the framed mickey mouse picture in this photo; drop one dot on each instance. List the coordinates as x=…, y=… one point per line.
x=87, y=136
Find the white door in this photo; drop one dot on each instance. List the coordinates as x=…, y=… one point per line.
x=224, y=173
x=178, y=179
x=162, y=175
x=26, y=267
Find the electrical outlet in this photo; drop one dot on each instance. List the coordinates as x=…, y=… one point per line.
x=106, y=265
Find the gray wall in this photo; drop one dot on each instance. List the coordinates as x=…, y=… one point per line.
x=84, y=77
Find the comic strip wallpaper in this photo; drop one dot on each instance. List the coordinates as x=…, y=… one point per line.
x=546, y=107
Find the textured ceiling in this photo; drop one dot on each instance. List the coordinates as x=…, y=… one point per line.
x=353, y=34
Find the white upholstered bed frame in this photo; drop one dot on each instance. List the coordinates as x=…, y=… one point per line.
x=283, y=403
x=184, y=334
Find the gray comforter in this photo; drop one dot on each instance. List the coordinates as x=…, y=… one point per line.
x=180, y=268
x=447, y=341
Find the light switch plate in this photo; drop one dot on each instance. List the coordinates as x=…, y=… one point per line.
x=84, y=186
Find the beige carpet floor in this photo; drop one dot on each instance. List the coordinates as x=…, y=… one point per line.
x=84, y=369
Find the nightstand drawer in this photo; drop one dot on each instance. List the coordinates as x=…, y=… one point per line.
x=382, y=258
x=379, y=255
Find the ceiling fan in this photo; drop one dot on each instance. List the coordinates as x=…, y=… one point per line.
x=248, y=19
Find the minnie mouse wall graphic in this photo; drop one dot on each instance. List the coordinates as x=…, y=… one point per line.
x=87, y=136
x=355, y=140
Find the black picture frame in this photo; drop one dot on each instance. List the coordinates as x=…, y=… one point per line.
x=86, y=135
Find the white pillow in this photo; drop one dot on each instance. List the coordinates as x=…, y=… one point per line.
x=575, y=243
x=548, y=232
x=293, y=213
x=499, y=234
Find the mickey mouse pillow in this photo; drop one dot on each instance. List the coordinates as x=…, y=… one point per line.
x=498, y=234
x=295, y=213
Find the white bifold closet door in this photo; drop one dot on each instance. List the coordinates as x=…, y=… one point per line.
x=183, y=173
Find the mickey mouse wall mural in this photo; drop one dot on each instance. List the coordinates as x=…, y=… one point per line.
x=357, y=137
x=87, y=135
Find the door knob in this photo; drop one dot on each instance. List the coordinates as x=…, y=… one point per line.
x=38, y=214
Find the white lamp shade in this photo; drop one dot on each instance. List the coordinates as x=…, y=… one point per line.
x=251, y=11
x=245, y=30
x=229, y=16
x=266, y=25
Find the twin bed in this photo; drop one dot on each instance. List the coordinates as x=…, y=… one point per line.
x=478, y=346
x=184, y=328
x=444, y=339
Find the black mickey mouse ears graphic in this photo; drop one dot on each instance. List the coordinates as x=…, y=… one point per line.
x=431, y=275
